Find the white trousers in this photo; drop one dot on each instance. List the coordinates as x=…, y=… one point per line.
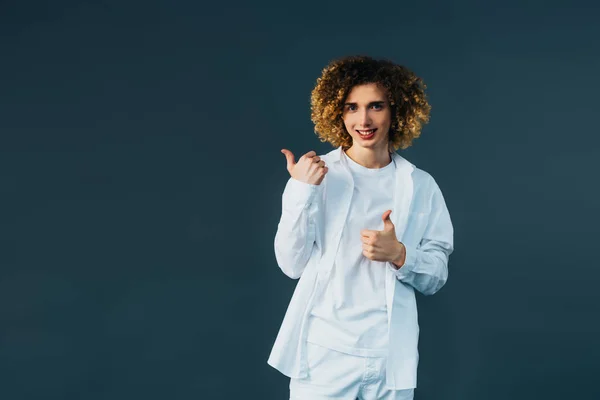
x=335, y=375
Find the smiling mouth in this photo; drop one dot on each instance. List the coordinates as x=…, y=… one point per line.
x=367, y=132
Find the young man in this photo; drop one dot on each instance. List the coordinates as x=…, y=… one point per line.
x=362, y=228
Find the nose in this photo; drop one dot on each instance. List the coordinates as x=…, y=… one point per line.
x=364, y=119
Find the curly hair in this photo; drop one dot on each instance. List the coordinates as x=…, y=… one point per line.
x=405, y=93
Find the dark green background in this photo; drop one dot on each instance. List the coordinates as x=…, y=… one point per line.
x=141, y=182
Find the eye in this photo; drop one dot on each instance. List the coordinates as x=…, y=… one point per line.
x=351, y=107
x=378, y=106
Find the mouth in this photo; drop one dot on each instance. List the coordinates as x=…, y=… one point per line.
x=367, y=133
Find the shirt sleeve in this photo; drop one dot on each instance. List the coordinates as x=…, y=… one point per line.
x=426, y=265
x=296, y=231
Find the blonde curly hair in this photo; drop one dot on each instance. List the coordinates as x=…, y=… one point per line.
x=405, y=93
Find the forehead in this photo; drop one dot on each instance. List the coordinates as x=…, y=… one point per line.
x=367, y=92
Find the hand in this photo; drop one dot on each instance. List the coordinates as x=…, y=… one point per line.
x=383, y=245
x=309, y=168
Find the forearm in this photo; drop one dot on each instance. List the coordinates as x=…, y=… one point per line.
x=425, y=268
x=296, y=231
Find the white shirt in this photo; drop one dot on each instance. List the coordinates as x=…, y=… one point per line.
x=306, y=242
x=351, y=314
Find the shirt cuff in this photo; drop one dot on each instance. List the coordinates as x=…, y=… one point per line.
x=409, y=263
x=299, y=193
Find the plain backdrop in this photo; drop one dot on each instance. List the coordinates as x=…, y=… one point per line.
x=141, y=181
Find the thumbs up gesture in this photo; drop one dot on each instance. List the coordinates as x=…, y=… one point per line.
x=309, y=168
x=383, y=245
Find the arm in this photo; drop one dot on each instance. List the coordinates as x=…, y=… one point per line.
x=426, y=265
x=296, y=231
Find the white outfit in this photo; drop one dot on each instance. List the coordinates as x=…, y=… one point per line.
x=307, y=243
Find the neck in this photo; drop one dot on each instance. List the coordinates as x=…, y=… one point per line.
x=370, y=158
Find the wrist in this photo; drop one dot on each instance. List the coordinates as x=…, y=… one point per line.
x=398, y=262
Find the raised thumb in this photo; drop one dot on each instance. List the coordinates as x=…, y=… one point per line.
x=387, y=222
x=289, y=156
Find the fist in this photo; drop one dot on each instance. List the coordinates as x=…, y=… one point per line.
x=383, y=245
x=309, y=168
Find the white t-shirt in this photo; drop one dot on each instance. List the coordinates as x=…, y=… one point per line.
x=351, y=315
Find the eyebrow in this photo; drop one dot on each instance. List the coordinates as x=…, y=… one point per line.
x=371, y=103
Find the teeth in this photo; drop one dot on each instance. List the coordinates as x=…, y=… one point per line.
x=366, y=132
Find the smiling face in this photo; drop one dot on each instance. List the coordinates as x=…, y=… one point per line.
x=367, y=116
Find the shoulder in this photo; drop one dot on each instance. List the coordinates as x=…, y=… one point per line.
x=426, y=185
x=419, y=175
x=328, y=157
x=423, y=178
x=423, y=182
